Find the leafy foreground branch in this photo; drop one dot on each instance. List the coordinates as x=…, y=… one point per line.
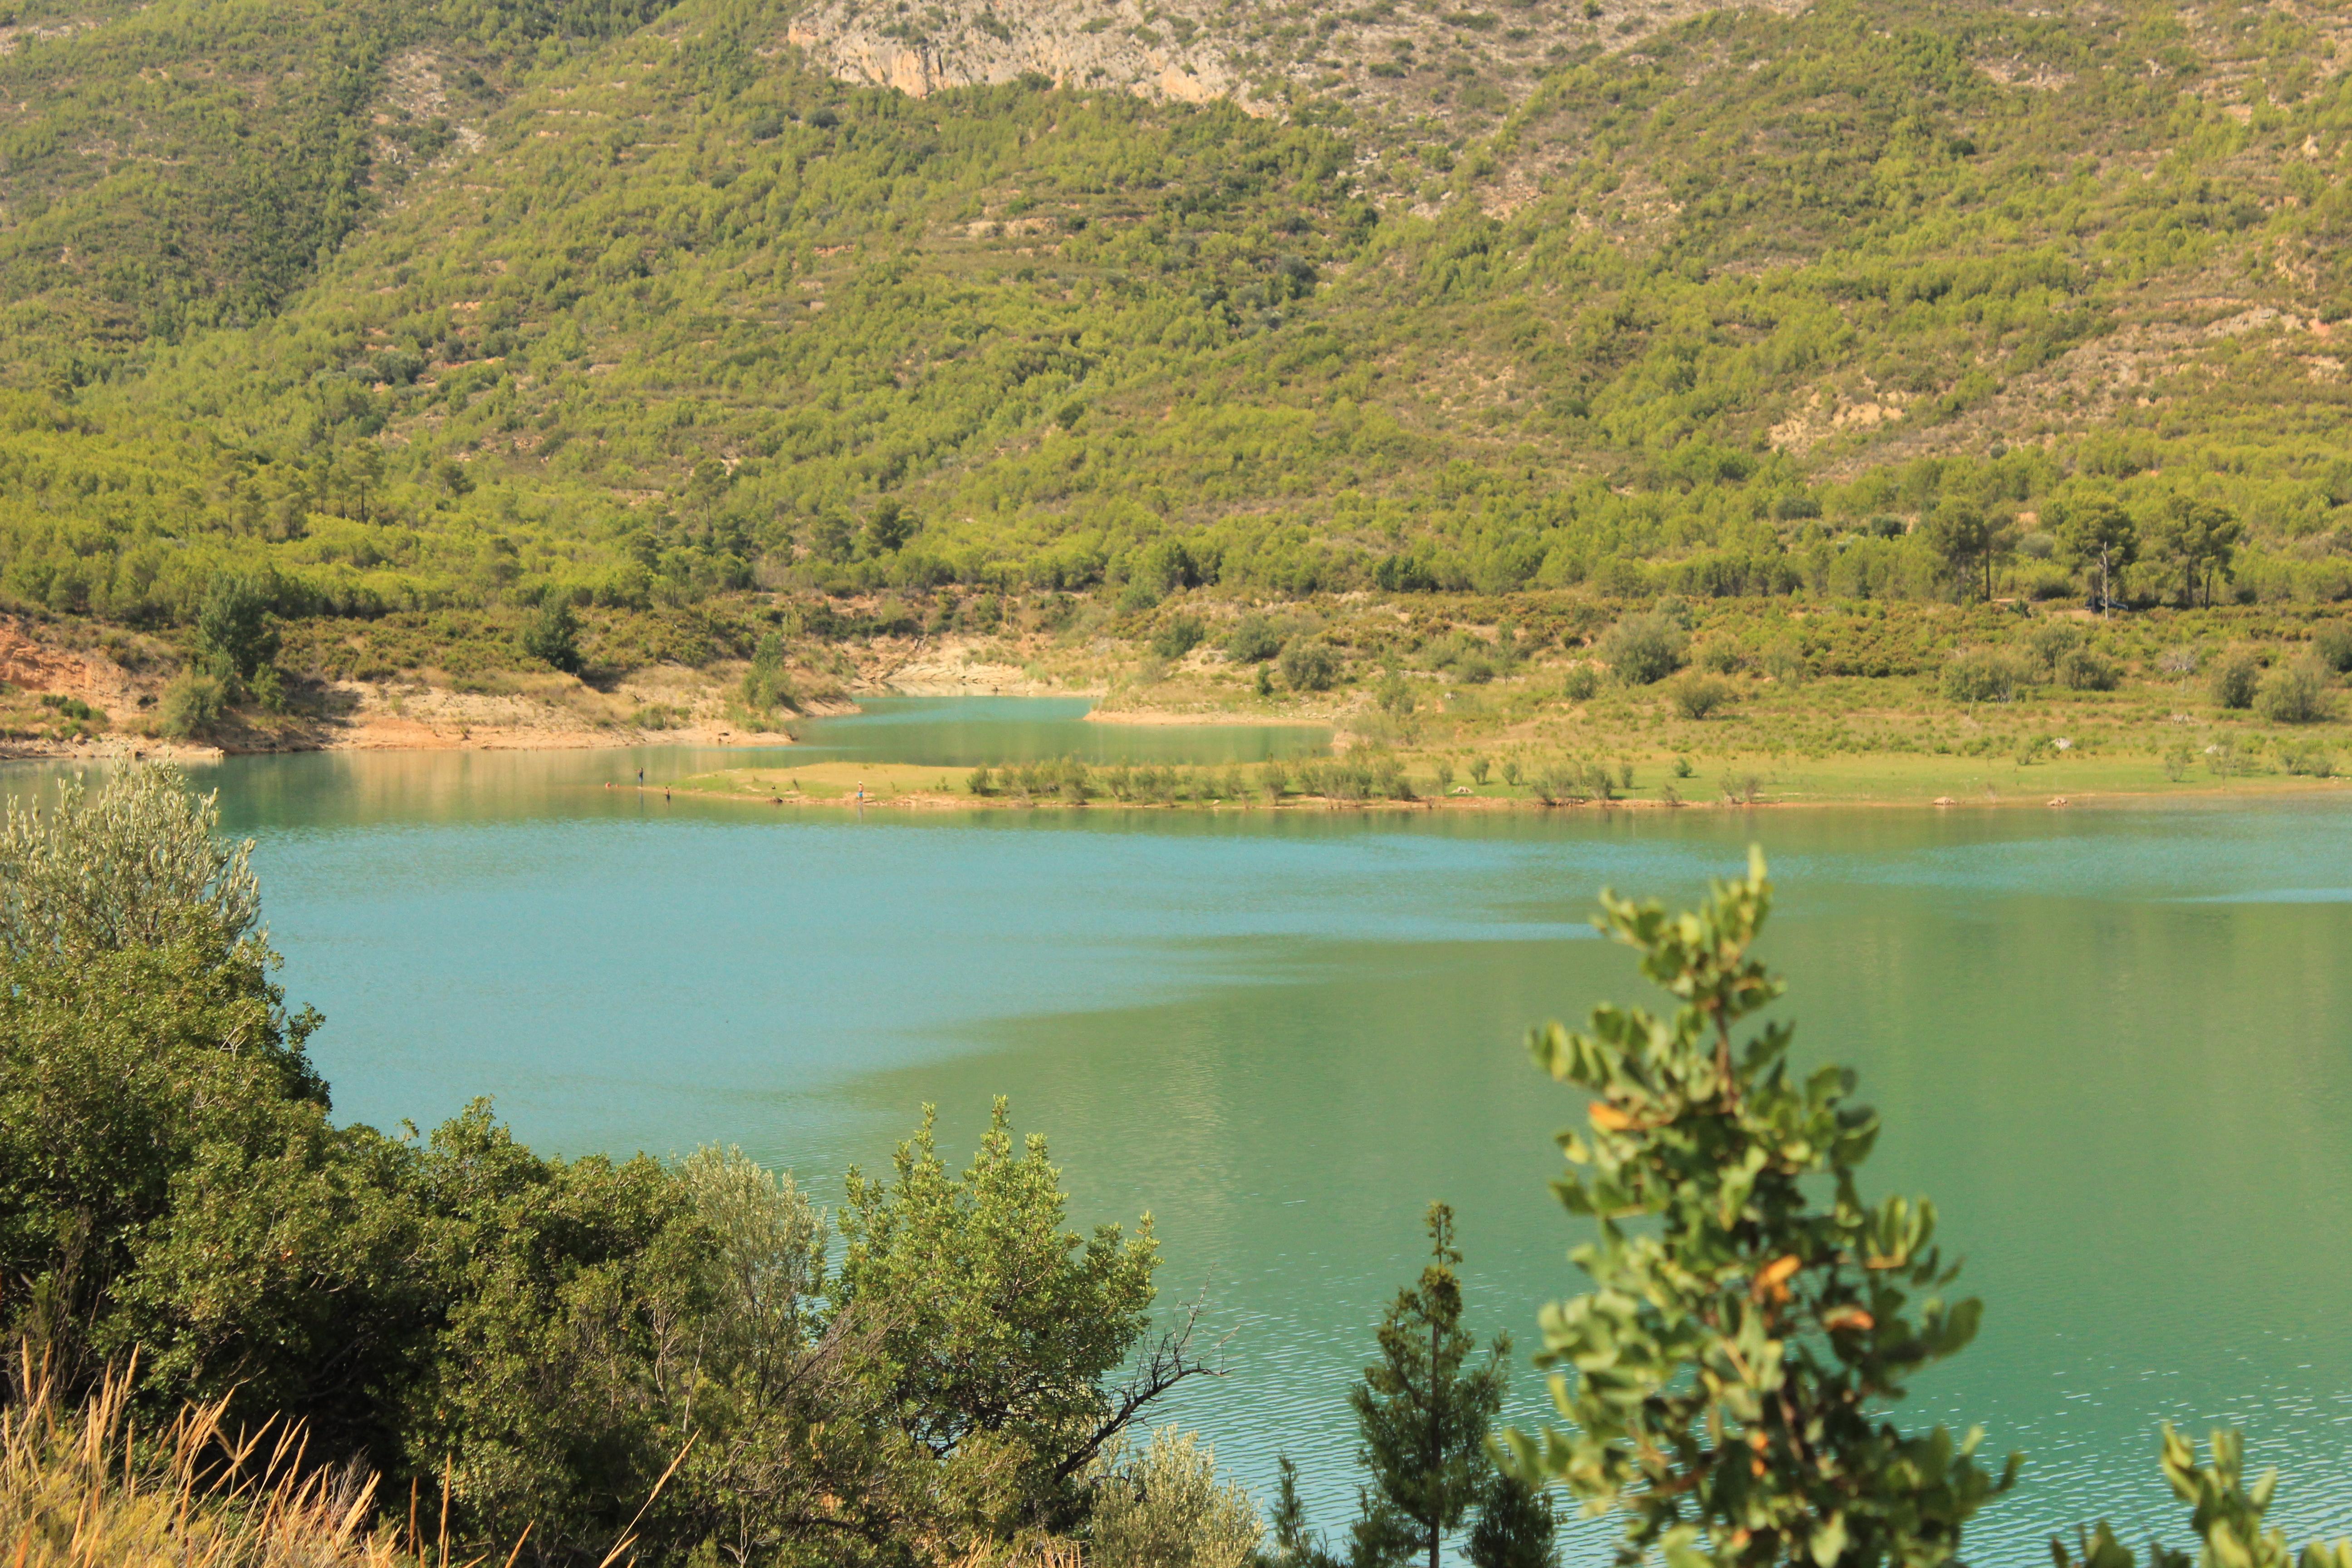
x=1722, y=1381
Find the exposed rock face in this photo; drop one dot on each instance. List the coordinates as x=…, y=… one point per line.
x=993, y=49
x=1450, y=70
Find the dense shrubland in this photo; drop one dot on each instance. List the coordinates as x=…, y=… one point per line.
x=537, y=1342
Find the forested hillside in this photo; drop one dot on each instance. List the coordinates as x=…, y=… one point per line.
x=489, y=306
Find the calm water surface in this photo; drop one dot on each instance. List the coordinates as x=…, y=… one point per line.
x=2112, y=1044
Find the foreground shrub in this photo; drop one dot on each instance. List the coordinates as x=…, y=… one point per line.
x=1644, y=649
x=1729, y=1380
x=995, y=1327
x=2226, y=1515
x=137, y=865
x=538, y=1338
x=2302, y=693
x=1166, y=1509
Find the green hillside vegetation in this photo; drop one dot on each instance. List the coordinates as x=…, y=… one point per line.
x=1878, y=303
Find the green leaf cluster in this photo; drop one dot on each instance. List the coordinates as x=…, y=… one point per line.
x=1726, y=1378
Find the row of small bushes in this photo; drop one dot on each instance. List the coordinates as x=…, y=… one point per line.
x=2057, y=653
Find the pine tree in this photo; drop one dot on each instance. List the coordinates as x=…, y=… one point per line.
x=1515, y=1528
x=1295, y=1546
x=1422, y=1412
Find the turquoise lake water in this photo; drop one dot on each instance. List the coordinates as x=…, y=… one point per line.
x=2112, y=1044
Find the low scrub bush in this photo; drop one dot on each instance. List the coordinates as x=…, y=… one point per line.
x=1784, y=662
x=1310, y=667
x=2046, y=643
x=1558, y=783
x=2045, y=583
x=2331, y=645
x=553, y=637
x=1644, y=649
x=1743, y=788
x=192, y=707
x=1253, y=641
x=1982, y=675
x=2308, y=760
x=1573, y=781
x=1699, y=696
x=766, y=687
x=72, y=707
x=1722, y=658
x=1393, y=695
x=1179, y=638
x=2235, y=680
x=2082, y=669
x=2302, y=693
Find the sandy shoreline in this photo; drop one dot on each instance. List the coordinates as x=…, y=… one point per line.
x=387, y=734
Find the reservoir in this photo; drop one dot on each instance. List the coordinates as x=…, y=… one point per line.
x=2113, y=1043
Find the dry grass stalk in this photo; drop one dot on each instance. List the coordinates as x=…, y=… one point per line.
x=83, y=1488
x=1035, y=1555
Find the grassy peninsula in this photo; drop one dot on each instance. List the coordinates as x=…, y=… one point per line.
x=1566, y=700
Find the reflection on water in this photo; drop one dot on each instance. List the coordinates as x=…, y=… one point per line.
x=2111, y=1043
